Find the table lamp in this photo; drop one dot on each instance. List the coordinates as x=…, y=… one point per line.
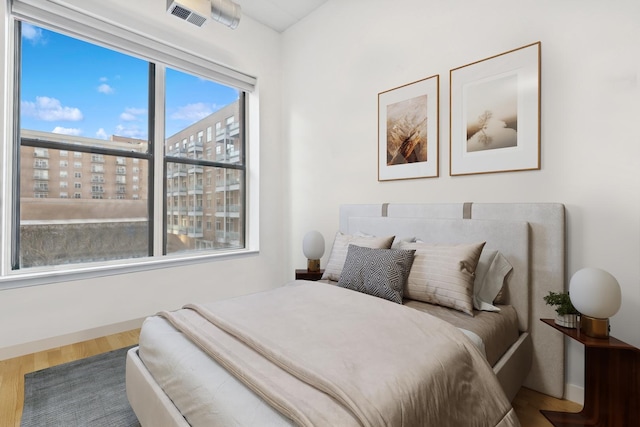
x=596, y=295
x=313, y=249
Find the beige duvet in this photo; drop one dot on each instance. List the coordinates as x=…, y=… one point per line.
x=327, y=356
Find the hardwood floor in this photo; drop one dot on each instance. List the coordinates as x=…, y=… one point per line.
x=12, y=370
x=527, y=403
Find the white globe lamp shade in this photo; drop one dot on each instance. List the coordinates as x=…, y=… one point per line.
x=313, y=249
x=596, y=294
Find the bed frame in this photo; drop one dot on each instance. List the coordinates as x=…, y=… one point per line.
x=530, y=235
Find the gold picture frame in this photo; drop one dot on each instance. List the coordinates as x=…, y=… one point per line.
x=494, y=113
x=408, y=130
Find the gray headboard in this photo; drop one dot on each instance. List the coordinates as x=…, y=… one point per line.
x=530, y=235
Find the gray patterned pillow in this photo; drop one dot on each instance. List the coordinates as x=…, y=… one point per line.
x=379, y=272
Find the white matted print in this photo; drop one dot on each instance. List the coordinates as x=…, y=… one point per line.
x=408, y=130
x=495, y=113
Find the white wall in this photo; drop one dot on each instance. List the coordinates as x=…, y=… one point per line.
x=338, y=59
x=324, y=75
x=42, y=317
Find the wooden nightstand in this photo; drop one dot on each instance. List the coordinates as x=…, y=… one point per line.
x=304, y=274
x=611, y=383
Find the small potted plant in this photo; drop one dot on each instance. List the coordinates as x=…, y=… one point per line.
x=566, y=313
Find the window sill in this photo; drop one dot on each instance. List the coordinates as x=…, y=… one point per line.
x=35, y=277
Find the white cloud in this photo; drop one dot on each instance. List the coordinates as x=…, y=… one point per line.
x=193, y=112
x=130, y=132
x=67, y=131
x=102, y=134
x=103, y=79
x=50, y=109
x=105, y=88
x=131, y=114
x=31, y=33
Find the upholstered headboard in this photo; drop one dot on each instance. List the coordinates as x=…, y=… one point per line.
x=530, y=235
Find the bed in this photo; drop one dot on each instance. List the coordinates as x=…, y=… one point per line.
x=171, y=379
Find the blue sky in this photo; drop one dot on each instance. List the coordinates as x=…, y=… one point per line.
x=72, y=87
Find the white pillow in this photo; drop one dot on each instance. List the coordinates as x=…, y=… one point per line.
x=491, y=272
x=339, y=251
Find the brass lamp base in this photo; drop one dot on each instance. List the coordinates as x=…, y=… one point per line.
x=313, y=265
x=594, y=327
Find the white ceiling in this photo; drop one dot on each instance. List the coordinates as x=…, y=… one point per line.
x=278, y=14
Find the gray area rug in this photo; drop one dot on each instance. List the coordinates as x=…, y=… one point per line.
x=88, y=392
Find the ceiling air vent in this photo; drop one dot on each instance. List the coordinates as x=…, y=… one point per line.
x=193, y=11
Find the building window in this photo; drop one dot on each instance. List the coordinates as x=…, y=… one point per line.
x=41, y=164
x=116, y=215
x=40, y=152
x=41, y=174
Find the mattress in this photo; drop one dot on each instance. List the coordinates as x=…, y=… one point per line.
x=497, y=330
x=204, y=391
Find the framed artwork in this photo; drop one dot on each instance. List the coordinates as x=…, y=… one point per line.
x=408, y=130
x=495, y=113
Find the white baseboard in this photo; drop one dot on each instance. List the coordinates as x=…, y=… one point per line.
x=574, y=393
x=72, y=338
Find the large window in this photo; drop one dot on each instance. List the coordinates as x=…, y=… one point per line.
x=190, y=159
x=99, y=204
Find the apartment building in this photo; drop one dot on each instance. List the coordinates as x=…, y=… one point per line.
x=103, y=198
x=205, y=204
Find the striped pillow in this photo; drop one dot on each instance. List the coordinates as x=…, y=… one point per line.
x=339, y=251
x=443, y=274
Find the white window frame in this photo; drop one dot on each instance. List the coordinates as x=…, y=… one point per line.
x=71, y=21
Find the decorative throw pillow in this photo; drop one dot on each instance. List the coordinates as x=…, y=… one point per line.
x=378, y=272
x=398, y=241
x=491, y=272
x=339, y=251
x=443, y=274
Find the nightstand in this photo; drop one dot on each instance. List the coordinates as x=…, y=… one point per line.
x=612, y=383
x=304, y=274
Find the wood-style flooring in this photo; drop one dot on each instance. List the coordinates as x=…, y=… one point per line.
x=527, y=403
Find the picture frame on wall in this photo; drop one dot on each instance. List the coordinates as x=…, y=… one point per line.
x=408, y=130
x=495, y=113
